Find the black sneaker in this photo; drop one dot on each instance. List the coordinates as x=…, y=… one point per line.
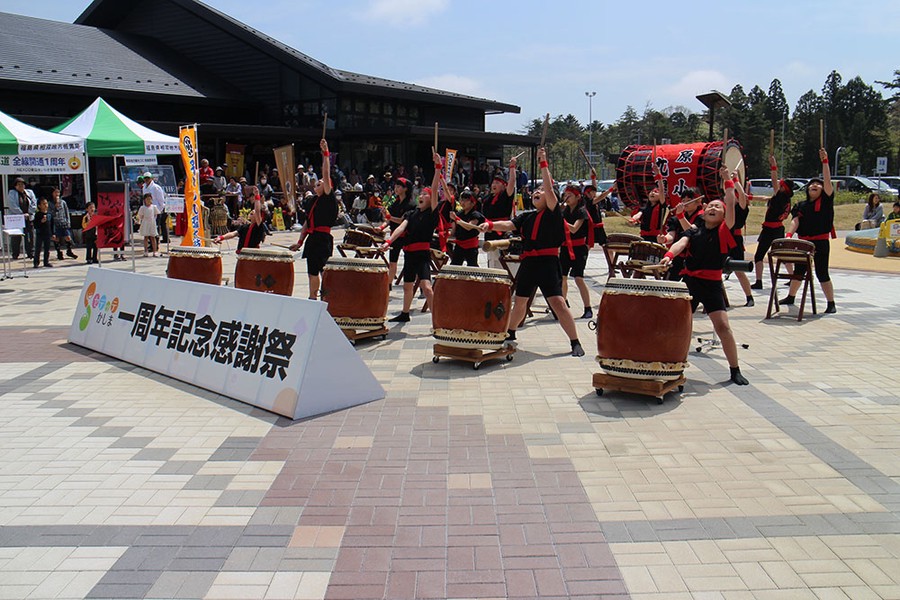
x=756, y=286
x=71, y=254
x=750, y=301
x=588, y=314
x=401, y=318
x=787, y=301
x=830, y=309
x=577, y=350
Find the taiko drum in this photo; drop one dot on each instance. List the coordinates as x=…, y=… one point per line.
x=200, y=265
x=265, y=270
x=644, y=328
x=356, y=291
x=471, y=307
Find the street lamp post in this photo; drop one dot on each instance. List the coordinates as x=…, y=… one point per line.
x=590, y=97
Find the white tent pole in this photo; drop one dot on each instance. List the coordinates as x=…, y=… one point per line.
x=5, y=254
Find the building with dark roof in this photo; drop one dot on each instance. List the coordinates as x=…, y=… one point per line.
x=170, y=62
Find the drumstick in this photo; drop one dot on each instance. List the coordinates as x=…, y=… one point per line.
x=821, y=133
x=771, y=142
x=279, y=245
x=491, y=245
x=544, y=132
x=586, y=159
x=435, y=135
x=324, y=124
x=519, y=155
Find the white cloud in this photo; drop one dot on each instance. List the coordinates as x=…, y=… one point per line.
x=698, y=82
x=454, y=83
x=407, y=12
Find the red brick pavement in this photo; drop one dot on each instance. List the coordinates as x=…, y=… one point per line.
x=410, y=534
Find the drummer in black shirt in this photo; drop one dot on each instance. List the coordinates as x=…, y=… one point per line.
x=706, y=246
x=579, y=237
x=653, y=212
x=252, y=233
x=542, y=235
x=393, y=216
x=684, y=215
x=592, y=201
x=498, y=206
x=778, y=207
x=814, y=222
x=466, y=231
x=416, y=229
x=741, y=212
x=323, y=212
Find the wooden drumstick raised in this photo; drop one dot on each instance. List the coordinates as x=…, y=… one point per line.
x=324, y=124
x=491, y=245
x=585, y=157
x=544, y=131
x=821, y=133
x=435, y=135
x=771, y=142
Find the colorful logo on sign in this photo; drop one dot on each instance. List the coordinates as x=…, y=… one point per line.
x=95, y=301
x=74, y=163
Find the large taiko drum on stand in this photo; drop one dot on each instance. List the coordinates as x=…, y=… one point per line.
x=201, y=265
x=644, y=328
x=471, y=307
x=681, y=165
x=265, y=270
x=356, y=290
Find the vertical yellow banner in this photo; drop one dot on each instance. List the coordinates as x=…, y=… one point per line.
x=194, y=236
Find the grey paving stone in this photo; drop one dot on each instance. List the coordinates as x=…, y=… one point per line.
x=197, y=585
x=113, y=432
x=154, y=454
x=208, y=482
x=132, y=442
x=180, y=467
x=240, y=498
x=196, y=564
x=90, y=421
x=575, y=428
x=240, y=559
x=119, y=591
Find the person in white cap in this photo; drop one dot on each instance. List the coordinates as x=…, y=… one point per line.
x=159, y=201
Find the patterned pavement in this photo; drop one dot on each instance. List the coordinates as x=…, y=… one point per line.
x=515, y=481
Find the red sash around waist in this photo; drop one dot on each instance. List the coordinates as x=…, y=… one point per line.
x=540, y=252
x=321, y=229
x=737, y=232
x=417, y=247
x=816, y=238
x=649, y=233
x=708, y=274
x=773, y=224
x=467, y=244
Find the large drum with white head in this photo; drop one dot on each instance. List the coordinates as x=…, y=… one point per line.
x=265, y=270
x=471, y=307
x=644, y=328
x=356, y=291
x=190, y=263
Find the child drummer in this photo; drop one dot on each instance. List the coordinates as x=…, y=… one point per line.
x=321, y=218
x=252, y=233
x=707, y=245
x=417, y=229
x=542, y=235
x=466, y=230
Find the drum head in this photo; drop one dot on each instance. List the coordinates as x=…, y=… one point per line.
x=734, y=161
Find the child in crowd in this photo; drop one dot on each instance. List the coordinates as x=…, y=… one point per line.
x=146, y=217
x=89, y=236
x=43, y=230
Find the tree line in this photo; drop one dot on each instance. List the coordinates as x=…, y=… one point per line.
x=857, y=118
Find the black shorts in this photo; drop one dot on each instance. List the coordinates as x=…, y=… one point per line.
x=820, y=262
x=737, y=253
x=766, y=236
x=575, y=267
x=539, y=272
x=465, y=255
x=416, y=265
x=707, y=292
x=600, y=236
x=317, y=250
x=394, y=252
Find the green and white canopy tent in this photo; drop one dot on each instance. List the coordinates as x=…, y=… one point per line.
x=107, y=132
x=25, y=149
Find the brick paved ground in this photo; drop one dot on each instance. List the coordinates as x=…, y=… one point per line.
x=513, y=481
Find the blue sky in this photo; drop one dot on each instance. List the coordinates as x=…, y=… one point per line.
x=544, y=56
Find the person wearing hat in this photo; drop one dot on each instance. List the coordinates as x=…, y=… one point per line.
x=813, y=221
x=499, y=207
x=206, y=177
x=22, y=201
x=316, y=232
x=219, y=181
x=579, y=237
x=158, y=196
x=542, y=232
x=387, y=183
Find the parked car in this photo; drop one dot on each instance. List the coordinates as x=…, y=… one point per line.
x=893, y=182
x=763, y=187
x=862, y=185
